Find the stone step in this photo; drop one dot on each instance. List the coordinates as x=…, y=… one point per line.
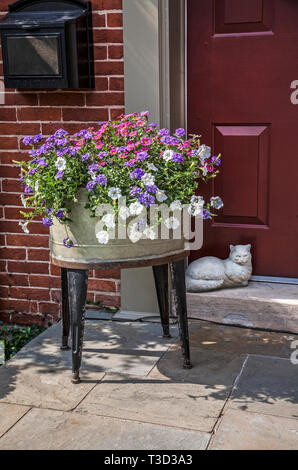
x=270, y=306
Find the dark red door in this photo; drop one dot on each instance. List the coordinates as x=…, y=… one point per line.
x=242, y=59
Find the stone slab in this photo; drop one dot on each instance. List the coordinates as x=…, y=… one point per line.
x=259, y=305
x=10, y=415
x=268, y=386
x=57, y=430
x=210, y=367
x=240, y=340
x=98, y=315
x=240, y=430
x=156, y=400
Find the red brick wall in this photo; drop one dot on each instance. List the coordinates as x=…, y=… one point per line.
x=30, y=285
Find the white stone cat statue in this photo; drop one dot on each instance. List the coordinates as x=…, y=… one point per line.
x=210, y=273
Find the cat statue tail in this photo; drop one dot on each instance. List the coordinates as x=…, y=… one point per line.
x=202, y=285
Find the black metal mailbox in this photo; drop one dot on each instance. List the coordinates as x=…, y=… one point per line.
x=47, y=44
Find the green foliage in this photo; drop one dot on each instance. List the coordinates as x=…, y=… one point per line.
x=15, y=337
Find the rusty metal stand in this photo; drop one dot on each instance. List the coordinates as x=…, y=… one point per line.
x=74, y=292
x=178, y=280
x=162, y=291
x=65, y=310
x=77, y=293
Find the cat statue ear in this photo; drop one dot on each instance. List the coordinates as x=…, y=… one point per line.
x=249, y=246
x=231, y=247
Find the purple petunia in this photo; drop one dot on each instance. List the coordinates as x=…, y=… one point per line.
x=134, y=191
x=180, y=132
x=101, y=179
x=28, y=190
x=31, y=172
x=68, y=243
x=102, y=155
x=146, y=199
x=41, y=162
x=90, y=185
x=177, y=157
x=60, y=133
x=93, y=167
x=49, y=211
x=85, y=157
x=28, y=140
x=37, y=138
x=164, y=132
x=206, y=214
x=168, y=140
x=47, y=221
x=151, y=189
x=59, y=214
x=59, y=175
x=137, y=174
x=142, y=156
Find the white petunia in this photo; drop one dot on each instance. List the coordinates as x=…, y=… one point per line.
x=36, y=186
x=152, y=167
x=205, y=170
x=24, y=226
x=92, y=174
x=160, y=196
x=167, y=155
x=114, y=193
x=216, y=202
x=109, y=220
x=148, y=179
x=172, y=223
x=60, y=164
x=134, y=234
x=135, y=208
x=149, y=233
x=124, y=213
x=102, y=237
x=176, y=206
x=195, y=209
x=197, y=200
x=204, y=152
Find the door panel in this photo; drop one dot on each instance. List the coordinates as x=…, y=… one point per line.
x=242, y=59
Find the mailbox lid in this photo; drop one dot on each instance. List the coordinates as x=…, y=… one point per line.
x=43, y=13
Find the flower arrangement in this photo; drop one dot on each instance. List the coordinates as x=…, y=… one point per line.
x=125, y=158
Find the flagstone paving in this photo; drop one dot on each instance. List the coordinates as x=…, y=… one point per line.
x=242, y=392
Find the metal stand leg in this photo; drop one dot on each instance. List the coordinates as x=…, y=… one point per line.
x=178, y=280
x=77, y=292
x=162, y=290
x=65, y=310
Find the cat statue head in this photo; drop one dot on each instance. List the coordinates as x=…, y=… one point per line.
x=240, y=254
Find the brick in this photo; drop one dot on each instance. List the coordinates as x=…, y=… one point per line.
x=116, y=113
x=98, y=20
x=116, y=83
x=108, y=35
x=7, y=114
x=21, y=99
x=11, y=185
x=114, y=20
x=48, y=129
x=14, y=227
x=15, y=128
x=4, y=291
x=70, y=114
x=62, y=99
x=55, y=270
x=101, y=99
x=115, y=52
x=14, y=305
x=39, y=114
x=47, y=307
x=100, y=52
x=8, y=157
x=109, y=68
x=9, y=143
x=27, y=240
x=14, y=212
x=7, y=279
x=101, y=83
x=12, y=253
x=25, y=267
x=44, y=281
x=7, y=199
x=101, y=286
x=39, y=255
x=108, y=300
x=107, y=4
x=29, y=293
x=10, y=171
x=3, y=266
x=27, y=319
